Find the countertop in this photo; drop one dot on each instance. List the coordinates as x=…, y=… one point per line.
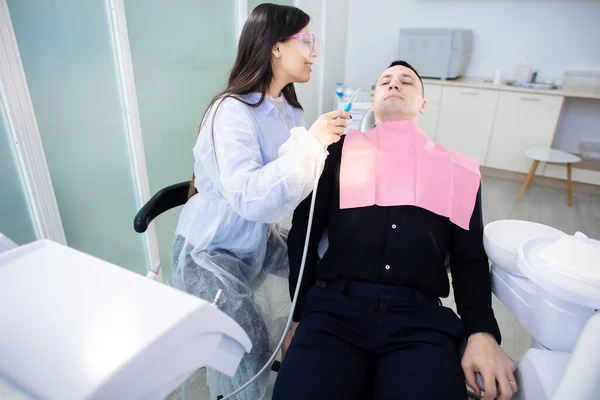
x=586, y=92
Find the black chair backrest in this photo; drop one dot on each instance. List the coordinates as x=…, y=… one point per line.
x=164, y=200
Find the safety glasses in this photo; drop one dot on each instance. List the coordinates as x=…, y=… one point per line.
x=308, y=45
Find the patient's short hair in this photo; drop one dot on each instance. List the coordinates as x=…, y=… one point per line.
x=407, y=65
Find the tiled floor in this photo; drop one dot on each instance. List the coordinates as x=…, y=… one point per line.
x=540, y=204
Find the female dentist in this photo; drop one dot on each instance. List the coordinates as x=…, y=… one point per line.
x=254, y=163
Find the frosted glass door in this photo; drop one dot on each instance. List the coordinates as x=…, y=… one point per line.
x=68, y=54
x=182, y=52
x=15, y=216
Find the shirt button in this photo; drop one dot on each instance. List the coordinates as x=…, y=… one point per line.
x=387, y=267
x=393, y=226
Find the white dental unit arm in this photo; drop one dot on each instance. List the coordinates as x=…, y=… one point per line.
x=74, y=327
x=550, y=281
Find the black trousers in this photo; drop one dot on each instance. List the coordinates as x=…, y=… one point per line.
x=368, y=341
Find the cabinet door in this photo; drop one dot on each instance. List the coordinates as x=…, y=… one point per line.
x=466, y=120
x=522, y=121
x=578, y=175
x=432, y=92
x=428, y=121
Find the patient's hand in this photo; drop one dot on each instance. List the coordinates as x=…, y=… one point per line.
x=288, y=339
x=484, y=355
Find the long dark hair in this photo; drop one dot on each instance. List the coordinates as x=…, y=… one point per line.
x=252, y=70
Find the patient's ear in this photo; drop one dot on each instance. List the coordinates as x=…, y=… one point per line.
x=422, y=110
x=371, y=104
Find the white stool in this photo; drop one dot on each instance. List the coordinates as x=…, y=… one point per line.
x=553, y=156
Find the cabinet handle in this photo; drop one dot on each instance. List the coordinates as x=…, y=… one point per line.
x=470, y=93
x=530, y=98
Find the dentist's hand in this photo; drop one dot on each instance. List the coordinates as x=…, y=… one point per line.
x=288, y=339
x=484, y=355
x=329, y=127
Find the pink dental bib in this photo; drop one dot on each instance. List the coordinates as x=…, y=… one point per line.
x=396, y=164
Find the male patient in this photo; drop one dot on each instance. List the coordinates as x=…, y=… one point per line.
x=369, y=322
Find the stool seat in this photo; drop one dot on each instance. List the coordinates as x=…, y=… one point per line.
x=546, y=154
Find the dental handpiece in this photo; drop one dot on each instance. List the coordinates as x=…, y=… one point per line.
x=352, y=100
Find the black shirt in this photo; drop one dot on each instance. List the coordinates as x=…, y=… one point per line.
x=399, y=245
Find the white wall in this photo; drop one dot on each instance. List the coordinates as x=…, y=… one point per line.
x=309, y=93
x=556, y=35
x=335, y=49
x=329, y=22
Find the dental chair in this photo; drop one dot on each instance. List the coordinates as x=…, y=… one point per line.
x=164, y=200
x=75, y=327
x=560, y=312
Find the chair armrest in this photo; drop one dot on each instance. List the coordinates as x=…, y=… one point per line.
x=164, y=200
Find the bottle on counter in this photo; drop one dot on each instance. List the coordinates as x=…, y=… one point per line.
x=339, y=89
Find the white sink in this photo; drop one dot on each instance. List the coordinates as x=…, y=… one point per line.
x=532, y=85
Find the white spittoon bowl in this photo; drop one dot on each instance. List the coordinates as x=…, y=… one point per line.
x=502, y=239
x=538, y=271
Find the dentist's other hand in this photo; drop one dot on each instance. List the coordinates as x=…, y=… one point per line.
x=484, y=355
x=288, y=339
x=329, y=127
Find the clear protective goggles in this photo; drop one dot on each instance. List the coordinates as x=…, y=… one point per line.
x=308, y=44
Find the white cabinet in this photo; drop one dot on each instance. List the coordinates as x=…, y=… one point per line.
x=492, y=124
x=579, y=175
x=465, y=120
x=428, y=121
x=522, y=121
